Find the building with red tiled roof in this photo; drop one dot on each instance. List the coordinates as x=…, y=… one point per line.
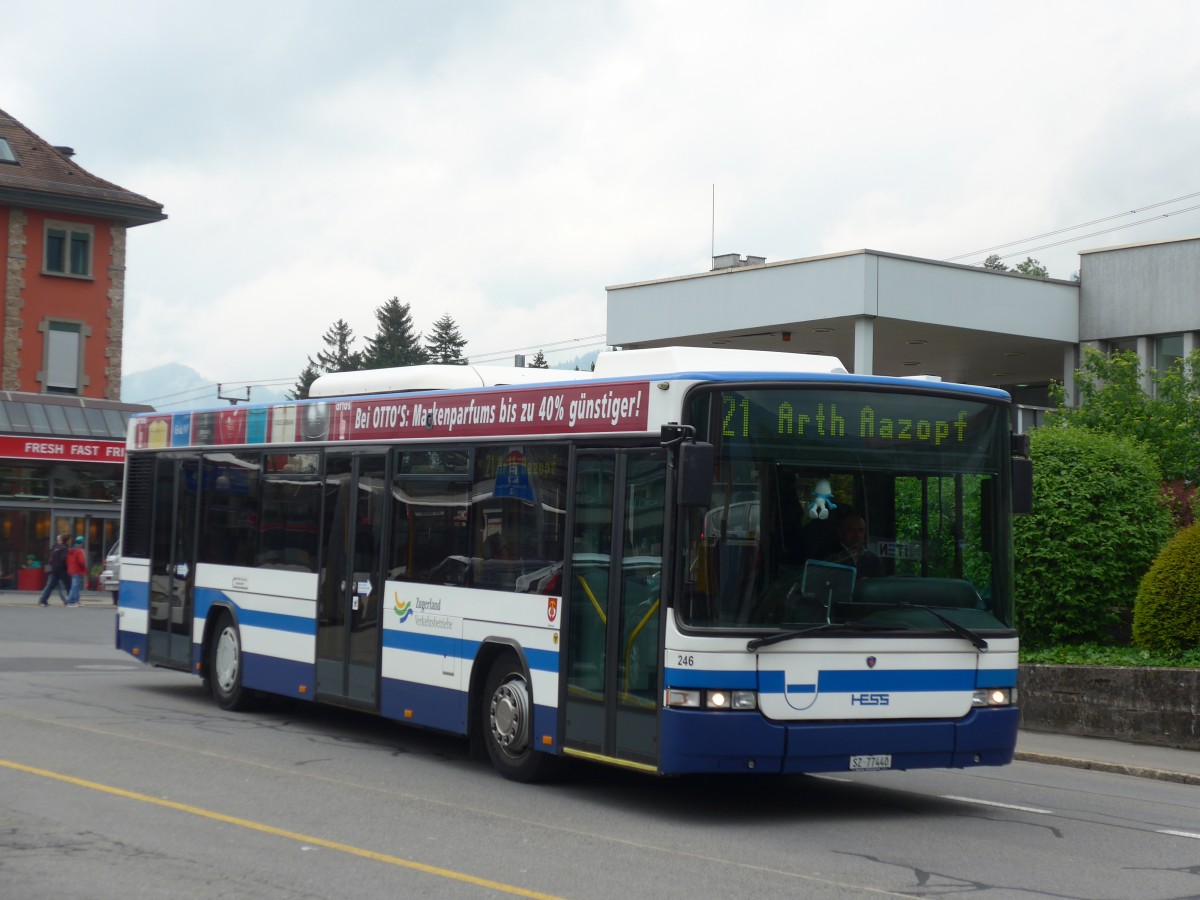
x=61, y=420
x=64, y=284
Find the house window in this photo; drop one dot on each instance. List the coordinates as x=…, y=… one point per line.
x=64, y=357
x=1168, y=350
x=68, y=249
x=6, y=152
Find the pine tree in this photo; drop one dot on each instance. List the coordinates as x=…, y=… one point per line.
x=445, y=344
x=396, y=342
x=338, y=357
x=307, y=377
x=539, y=361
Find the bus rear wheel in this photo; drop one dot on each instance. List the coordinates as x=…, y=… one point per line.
x=507, y=724
x=225, y=665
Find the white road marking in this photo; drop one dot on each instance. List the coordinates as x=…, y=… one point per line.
x=1028, y=809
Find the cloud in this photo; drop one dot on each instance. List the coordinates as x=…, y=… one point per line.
x=502, y=163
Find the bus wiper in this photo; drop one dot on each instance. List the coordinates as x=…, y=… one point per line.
x=824, y=626
x=980, y=644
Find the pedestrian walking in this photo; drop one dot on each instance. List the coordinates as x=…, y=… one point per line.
x=57, y=572
x=77, y=569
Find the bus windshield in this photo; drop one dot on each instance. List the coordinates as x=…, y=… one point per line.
x=841, y=507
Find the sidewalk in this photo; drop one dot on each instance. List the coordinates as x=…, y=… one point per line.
x=30, y=598
x=1118, y=757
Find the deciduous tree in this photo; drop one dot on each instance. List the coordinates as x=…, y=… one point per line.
x=1031, y=268
x=1111, y=399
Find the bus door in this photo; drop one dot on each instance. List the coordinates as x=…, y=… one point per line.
x=613, y=602
x=351, y=579
x=173, y=560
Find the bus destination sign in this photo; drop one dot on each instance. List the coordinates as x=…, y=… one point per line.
x=866, y=419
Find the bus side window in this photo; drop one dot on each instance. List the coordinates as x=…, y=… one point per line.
x=429, y=524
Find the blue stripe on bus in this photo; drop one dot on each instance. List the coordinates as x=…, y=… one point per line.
x=822, y=379
x=838, y=682
x=206, y=597
x=276, y=621
x=446, y=710
x=133, y=644
x=704, y=678
x=419, y=642
x=437, y=645
x=422, y=704
x=134, y=595
x=285, y=677
x=994, y=678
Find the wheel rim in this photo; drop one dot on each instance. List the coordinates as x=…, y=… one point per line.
x=225, y=666
x=509, y=717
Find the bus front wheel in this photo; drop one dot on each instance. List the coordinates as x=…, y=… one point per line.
x=225, y=665
x=508, y=724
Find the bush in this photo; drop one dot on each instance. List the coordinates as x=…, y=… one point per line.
x=1166, y=616
x=1096, y=527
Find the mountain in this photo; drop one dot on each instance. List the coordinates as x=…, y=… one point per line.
x=583, y=363
x=174, y=386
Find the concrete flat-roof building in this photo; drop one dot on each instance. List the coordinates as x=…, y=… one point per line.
x=888, y=314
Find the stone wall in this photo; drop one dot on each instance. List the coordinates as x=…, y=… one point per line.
x=1144, y=706
x=14, y=304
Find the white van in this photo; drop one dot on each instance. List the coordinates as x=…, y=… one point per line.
x=110, y=578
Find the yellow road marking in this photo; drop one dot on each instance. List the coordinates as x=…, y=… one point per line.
x=283, y=833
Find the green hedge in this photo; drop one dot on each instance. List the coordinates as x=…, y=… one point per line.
x=1096, y=526
x=1166, y=616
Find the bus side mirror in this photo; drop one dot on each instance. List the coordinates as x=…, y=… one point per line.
x=1022, y=485
x=695, y=473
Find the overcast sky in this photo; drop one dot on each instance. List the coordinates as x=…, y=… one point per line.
x=504, y=162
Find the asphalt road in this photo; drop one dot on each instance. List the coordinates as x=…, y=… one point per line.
x=118, y=781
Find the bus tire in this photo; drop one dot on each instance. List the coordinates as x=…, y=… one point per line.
x=225, y=665
x=507, y=724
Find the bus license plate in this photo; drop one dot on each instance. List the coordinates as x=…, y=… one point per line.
x=866, y=763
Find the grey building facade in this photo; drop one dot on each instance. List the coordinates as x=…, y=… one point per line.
x=1143, y=297
x=888, y=314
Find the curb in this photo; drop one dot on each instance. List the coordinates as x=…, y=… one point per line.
x=85, y=600
x=1114, y=768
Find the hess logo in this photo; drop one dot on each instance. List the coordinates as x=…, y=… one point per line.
x=870, y=699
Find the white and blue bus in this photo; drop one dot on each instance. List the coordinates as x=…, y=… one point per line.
x=644, y=565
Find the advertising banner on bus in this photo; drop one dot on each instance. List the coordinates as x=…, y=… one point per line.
x=567, y=409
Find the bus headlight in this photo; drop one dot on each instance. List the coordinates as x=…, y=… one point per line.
x=716, y=699
x=731, y=700
x=744, y=700
x=994, y=697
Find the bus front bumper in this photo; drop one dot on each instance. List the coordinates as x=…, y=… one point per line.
x=695, y=741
